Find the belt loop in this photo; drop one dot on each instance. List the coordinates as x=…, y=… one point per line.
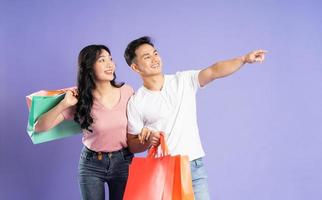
x=122, y=153
x=109, y=154
x=99, y=155
x=195, y=162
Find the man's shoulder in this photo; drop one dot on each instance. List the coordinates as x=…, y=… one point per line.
x=181, y=75
x=137, y=96
x=186, y=73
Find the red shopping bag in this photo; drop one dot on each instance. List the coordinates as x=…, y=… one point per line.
x=159, y=177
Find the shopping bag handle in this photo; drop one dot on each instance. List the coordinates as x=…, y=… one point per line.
x=57, y=92
x=153, y=151
x=53, y=92
x=45, y=93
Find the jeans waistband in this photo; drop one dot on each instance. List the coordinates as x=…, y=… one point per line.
x=123, y=151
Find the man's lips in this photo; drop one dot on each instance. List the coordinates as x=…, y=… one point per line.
x=155, y=66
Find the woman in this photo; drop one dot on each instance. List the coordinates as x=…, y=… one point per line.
x=99, y=106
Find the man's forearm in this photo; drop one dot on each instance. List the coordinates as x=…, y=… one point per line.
x=227, y=67
x=135, y=145
x=220, y=69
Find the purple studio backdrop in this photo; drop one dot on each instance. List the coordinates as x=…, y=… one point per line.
x=261, y=127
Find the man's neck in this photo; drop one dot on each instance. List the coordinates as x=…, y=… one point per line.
x=154, y=83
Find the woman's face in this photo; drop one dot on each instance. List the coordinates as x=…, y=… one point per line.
x=104, y=67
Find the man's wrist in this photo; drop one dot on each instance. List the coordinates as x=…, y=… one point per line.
x=243, y=59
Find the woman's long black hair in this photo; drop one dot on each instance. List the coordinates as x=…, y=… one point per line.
x=86, y=84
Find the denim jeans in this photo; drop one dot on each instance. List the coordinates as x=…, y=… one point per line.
x=96, y=169
x=199, y=180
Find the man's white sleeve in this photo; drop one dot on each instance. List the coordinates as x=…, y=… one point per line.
x=191, y=79
x=135, y=122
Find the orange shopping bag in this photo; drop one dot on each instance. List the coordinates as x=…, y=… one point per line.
x=159, y=177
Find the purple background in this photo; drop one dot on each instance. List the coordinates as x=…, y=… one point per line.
x=261, y=127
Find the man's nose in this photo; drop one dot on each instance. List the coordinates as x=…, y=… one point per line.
x=154, y=59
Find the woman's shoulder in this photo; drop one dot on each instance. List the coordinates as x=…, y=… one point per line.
x=127, y=89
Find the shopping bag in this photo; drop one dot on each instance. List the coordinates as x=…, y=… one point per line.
x=159, y=176
x=39, y=103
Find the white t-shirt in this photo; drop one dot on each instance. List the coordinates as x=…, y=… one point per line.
x=171, y=110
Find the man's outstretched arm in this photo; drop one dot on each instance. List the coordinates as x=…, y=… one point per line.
x=227, y=67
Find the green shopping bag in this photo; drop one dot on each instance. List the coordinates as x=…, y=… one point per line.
x=39, y=103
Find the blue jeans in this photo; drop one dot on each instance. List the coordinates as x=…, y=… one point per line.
x=96, y=169
x=199, y=180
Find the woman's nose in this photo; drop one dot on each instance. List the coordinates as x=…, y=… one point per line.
x=110, y=65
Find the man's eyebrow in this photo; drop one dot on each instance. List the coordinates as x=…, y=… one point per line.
x=145, y=54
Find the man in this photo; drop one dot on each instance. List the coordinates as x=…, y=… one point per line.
x=167, y=103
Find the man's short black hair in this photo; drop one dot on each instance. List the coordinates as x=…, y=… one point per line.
x=129, y=53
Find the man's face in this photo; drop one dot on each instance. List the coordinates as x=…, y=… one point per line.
x=147, y=61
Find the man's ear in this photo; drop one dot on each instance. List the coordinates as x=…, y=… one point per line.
x=135, y=68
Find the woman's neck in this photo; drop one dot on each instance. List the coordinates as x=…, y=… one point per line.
x=102, y=89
